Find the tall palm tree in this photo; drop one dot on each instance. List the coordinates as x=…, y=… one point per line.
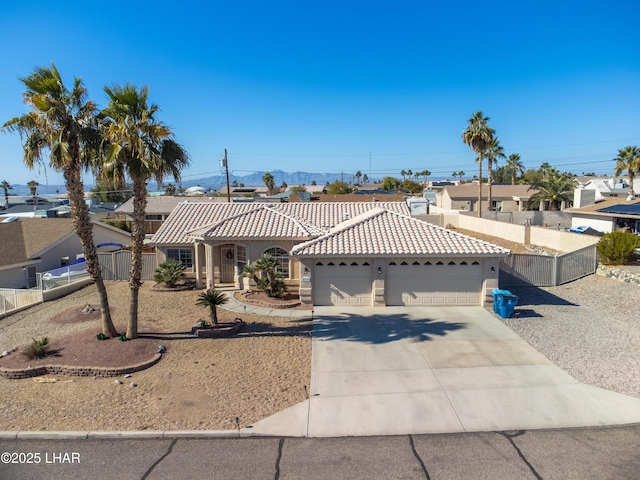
x=61, y=123
x=33, y=189
x=6, y=186
x=138, y=147
x=460, y=174
x=365, y=178
x=628, y=159
x=478, y=135
x=515, y=165
x=493, y=152
x=269, y=182
x=425, y=174
x=555, y=189
x=358, y=176
x=403, y=172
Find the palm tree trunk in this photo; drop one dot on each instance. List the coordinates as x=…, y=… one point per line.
x=84, y=228
x=214, y=315
x=630, y=183
x=489, y=180
x=513, y=176
x=137, y=244
x=480, y=185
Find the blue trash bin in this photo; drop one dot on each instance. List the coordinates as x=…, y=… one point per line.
x=506, y=305
x=495, y=293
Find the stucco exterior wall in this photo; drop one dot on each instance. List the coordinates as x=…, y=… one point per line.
x=602, y=224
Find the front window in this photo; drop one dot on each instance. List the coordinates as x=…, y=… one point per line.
x=282, y=256
x=184, y=255
x=242, y=257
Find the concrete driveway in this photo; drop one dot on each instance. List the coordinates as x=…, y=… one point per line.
x=397, y=370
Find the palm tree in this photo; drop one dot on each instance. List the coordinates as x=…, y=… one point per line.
x=170, y=189
x=269, y=182
x=365, y=178
x=409, y=173
x=358, y=176
x=460, y=174
x=62, y=123
x=555, y=190
x=33, y=188
x=493, y=152
x=6, y=186
x=403, y=172
x=478, y=135
x=425, y=174
x=515, y=165
x=628, y=159
x=417, y=176
x=545, y=169
x=140, y=147
x=212, y=299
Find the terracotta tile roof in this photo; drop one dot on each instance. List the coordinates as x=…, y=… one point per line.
x=260, y=222
x=25, y=238
x=189, y=218
x=382, y=232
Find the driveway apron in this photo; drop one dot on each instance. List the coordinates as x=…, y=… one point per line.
x=399, y=370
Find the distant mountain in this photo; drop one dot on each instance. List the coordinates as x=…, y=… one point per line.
x=255, y=179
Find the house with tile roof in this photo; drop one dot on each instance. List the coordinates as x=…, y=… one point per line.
x=35, y=245
x=333, y=253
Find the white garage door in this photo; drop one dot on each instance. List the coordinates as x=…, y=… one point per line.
x=446, y=282
x=342, y=282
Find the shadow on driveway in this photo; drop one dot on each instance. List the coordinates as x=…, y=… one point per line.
x=378, y=329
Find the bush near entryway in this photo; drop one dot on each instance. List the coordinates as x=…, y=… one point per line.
x=618, y=248
x=169, y=272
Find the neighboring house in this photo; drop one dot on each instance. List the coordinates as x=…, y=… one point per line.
x=367, y=253
x=608, y=215
x=35, y=245
x=246, y=191
x=605, y=186
x=505, y=198
x=158, y=209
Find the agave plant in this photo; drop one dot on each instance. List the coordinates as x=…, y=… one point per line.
x=169, y=272
x=211, y=299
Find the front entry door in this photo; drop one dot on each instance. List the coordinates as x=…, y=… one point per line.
x=227, y=253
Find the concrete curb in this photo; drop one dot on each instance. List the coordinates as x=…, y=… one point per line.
x=132, y=434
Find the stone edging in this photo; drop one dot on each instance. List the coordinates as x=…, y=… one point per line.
x=619, y=274
x=260, y=303
x=19, y=373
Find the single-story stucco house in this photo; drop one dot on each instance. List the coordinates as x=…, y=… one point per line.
x=369, y=253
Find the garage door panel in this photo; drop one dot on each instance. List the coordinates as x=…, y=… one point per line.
x=416, y=285
x=342, y=284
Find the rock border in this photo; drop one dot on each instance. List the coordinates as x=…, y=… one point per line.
x=617, y=273
x=178, y=288
x=219, y=330
x=260, y=303
x=20, y=373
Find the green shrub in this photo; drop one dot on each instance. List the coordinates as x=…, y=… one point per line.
x=169, y=272
x=618, y=248
x=37, y=349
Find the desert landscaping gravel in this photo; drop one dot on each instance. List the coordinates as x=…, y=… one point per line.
x=590, y=328
x=199, y=384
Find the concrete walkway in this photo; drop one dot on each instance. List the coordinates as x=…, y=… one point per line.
x=396, y=370
x=234, y=305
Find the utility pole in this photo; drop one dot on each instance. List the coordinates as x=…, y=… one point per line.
x=225, y=164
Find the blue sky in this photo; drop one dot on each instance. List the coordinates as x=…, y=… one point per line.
x=345, y=86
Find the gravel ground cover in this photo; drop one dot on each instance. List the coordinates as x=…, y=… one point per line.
x=589, y=327
x=199, y=384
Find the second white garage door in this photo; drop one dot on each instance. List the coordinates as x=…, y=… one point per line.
x=342, y=282
x=455, y=282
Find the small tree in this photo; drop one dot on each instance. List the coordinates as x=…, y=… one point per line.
x=267, y=276
x=618, y=248
x=339, y=187
x=211, y=299
x=169, y=272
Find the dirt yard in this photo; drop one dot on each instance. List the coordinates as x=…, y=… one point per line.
x=198, y=384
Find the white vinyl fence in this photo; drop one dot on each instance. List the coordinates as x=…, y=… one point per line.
x=13, y=299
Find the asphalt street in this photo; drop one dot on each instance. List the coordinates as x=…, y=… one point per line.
x=581, y=453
